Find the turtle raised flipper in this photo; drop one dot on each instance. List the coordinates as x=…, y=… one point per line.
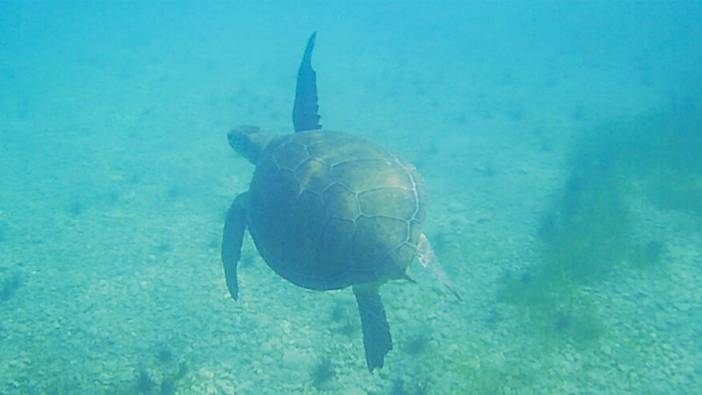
x=377, y=340
x=306, y=109
x=232, y=238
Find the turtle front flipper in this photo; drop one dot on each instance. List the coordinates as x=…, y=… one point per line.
x=233, y=237
x=376, y=330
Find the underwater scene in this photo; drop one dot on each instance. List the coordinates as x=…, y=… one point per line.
x=350, y=197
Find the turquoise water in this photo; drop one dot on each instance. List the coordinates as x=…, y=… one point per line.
x=560, y=145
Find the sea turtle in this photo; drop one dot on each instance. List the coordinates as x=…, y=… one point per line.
x=328, y=210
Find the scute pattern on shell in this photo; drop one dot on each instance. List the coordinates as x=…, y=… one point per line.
x=329, y=210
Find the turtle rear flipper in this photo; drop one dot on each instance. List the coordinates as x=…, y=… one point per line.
x=232, y=239
x=376, y=330
x=428, y=259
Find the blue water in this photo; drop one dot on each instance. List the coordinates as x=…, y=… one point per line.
x=560, y=146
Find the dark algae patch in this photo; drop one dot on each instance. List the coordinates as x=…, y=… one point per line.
x=9, y=284
x=402, y=387
x=156, y=381
x=591, y=232
x=323, y=373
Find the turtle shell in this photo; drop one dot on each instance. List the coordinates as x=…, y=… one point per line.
x=328, y=210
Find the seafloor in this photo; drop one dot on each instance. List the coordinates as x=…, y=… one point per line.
x=115, y=176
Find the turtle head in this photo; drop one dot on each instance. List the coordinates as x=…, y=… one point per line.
x=248, y=141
